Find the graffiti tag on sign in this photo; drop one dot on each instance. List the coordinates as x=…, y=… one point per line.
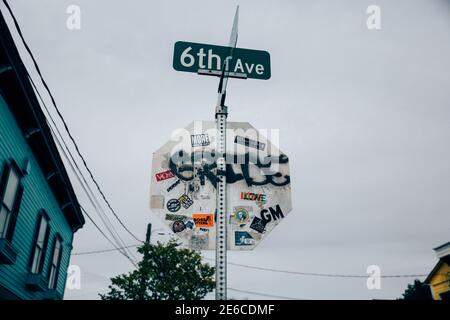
x=243, y=238
x=164, y=175
x=203, y=220
x=185, y=201
x=272, y=214
x=181, y=164
x=173, y=185
x=200, y=140
x=250, y=143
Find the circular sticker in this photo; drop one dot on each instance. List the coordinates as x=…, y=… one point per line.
x=241, y=216
x=178, y=226
x=173, y=205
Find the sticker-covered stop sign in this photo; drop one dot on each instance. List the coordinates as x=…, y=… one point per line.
x=184, y=178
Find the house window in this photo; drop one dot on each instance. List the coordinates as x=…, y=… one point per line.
x=11, y=191
x=55, y=263
x=40, y=244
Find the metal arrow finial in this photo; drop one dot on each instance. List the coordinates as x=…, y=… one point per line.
x=234, y=30
x=232, y=44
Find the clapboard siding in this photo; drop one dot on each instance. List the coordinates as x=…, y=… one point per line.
x=37, y=195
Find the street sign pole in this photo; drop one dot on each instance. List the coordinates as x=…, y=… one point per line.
x=221, y=189
x=221, y=207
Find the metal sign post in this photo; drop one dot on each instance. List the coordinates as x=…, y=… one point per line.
x=221, y=195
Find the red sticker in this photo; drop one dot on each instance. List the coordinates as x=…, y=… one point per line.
x=164, y=175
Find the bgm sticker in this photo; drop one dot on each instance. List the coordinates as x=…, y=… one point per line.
x=249, y=142
x=241, y=215
x=274, y=214
x=164, y=175
x=258, y=224
x=178, y=226
x=185, y=201
x=243, y=238
x=199, y=241
x=205, y=220
x=200, y=140
x=260, y=197
x=173, y=205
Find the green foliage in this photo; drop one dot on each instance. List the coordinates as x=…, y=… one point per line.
x=166, y=272
x=417, y=291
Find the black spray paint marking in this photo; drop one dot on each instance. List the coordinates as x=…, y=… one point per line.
x=274, y=214
x=173, y=185
x=183, y=167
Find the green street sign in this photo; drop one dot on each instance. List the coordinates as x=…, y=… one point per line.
x=208, y=59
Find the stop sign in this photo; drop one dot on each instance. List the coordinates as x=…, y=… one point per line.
x=184, y=178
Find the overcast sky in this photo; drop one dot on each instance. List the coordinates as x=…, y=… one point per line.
x=363, y=116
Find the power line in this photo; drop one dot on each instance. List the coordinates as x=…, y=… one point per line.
x=64, y=122
x=91, y=196
x=100, y=230
x=316, y=274
x=103, y=251
x=262, y=294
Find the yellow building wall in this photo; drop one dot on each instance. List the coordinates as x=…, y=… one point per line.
x=440, y=282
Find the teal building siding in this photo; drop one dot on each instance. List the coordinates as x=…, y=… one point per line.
x=27, y=146
x=36, y=196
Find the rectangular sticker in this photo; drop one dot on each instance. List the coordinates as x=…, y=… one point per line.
x=157, y=202
x=260, y=197
x=250, y=143
x=199, y=241
x=204, y=220
x=185, y=201
x=200, y=140
x=175, y=217
x=243, y=238
x=164, y=175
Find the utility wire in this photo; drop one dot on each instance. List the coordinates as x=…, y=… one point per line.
x=99, y=229
x=91, y=196
x=262, y=294
x=103, y=251
x=316, y=274
x=64, y=122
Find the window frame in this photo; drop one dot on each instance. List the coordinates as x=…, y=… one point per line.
x=13, y=212
x=57, y=267
x=41, y=216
